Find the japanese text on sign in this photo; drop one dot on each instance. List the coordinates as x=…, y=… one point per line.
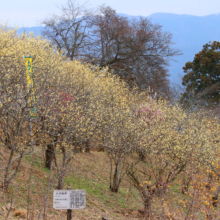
x=69, y=199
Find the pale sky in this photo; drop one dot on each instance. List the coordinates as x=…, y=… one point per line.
x=28, y=13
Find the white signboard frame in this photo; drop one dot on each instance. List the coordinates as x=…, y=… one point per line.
x=69, y=199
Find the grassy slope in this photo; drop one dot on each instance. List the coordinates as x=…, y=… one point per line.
x=89, y=171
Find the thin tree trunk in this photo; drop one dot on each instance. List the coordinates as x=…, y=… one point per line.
x=185, y=183
x=47, y=194
x=146, y=196
x=147, y=208
x=87, y=147
x=115, y=183
x=119, y=173
x=8, y=180
x=60, y=182
x=5, y=181
x=215, y=198
x=50, y=153
x=61, y=172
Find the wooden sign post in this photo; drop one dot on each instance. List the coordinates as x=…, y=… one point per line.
x=69, y=211
x=69, y=199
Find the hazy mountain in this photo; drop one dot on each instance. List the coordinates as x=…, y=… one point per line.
x=190, y=33
x=36, y=30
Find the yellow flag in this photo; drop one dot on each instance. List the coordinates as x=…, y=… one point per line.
x=30, y=84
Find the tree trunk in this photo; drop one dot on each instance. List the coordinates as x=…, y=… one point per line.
x=60, y=182
x=87, y=147
x=7, y=179
x=49, y=155
x=5, y=185
x=115, y=183
x=185, y=184
x=147, y=208
x=141, y=155
x=215, y=198
x=114, y=187
x=146, y=195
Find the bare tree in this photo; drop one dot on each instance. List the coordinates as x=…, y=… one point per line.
x=137, y=49
x=69, y=31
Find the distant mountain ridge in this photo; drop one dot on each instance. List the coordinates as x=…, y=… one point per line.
x=36, y=30
x=189, y=32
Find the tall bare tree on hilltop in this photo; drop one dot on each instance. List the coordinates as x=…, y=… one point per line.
x=137, y=50
x=69, y=30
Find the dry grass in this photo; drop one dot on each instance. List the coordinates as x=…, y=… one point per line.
x=21, y=213
x=88, y=171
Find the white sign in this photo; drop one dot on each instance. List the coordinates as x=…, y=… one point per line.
x=69, y=199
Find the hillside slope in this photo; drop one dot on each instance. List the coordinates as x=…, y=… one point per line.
x=89, y=171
